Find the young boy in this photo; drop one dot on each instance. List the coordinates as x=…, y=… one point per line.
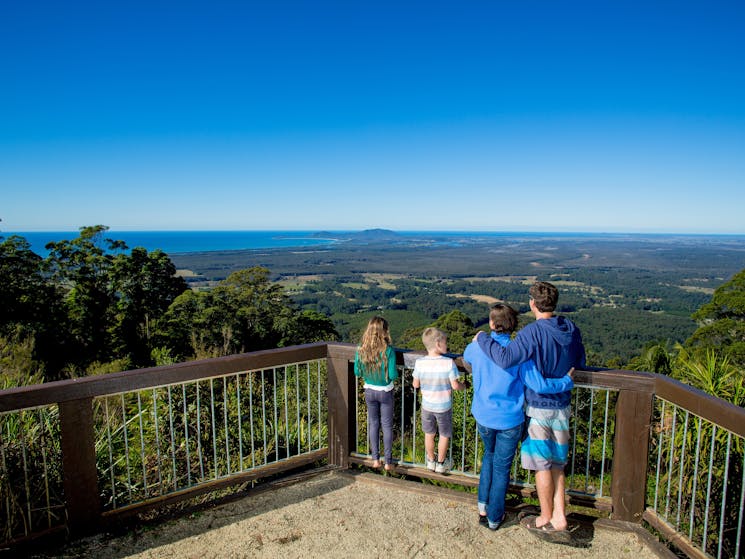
x=437, y=376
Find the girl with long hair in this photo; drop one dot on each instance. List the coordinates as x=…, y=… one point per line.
x=375, y=363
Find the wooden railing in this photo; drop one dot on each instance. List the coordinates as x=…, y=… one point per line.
x=76, y=455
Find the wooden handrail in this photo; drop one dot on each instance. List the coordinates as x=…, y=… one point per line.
x=138, y=379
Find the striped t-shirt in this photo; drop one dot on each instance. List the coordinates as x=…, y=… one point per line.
x=435, y=374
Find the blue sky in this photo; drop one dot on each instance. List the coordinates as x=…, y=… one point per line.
x=519, y=116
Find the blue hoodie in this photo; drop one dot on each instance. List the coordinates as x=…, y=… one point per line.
x=554, y=344
x=498, y=394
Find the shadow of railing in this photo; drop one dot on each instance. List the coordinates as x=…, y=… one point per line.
x=79, y=455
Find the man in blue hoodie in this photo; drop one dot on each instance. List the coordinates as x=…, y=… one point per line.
x=554, y=343
x=498, y=401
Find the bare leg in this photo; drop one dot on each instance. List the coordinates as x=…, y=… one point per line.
x=558, y=518
x=442, y=448
x=544, y=485
x=429, y=445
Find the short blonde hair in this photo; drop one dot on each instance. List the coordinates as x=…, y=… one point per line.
x=431, y=336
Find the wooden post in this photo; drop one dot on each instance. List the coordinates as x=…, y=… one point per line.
x=341, y=408
x=631, y=454
x=79, y=473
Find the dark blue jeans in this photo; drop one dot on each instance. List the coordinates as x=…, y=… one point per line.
x=380, y=413
x=499, y=452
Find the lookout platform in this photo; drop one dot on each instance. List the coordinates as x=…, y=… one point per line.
x=332, y=513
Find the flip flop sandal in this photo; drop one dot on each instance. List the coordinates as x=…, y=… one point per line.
x=528, y=521
x=547, y=530
x=525, y=514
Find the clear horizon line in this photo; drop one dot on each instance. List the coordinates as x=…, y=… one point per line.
x=437, y=231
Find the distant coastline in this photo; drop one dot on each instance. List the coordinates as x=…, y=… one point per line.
x=185, y=242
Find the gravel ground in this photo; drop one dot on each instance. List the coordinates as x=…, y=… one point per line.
x=338, y=514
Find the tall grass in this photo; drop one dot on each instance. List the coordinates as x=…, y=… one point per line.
x=31, y=489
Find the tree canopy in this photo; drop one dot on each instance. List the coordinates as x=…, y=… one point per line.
x=455, y=324
x=93, y=305
x=722, y=322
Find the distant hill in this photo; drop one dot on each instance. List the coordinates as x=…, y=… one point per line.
x=377, y=234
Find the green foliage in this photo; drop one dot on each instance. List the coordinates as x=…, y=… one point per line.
x=711, y=372
x=351, y=326
x=708, y=370
x=619, y=334
x=618, y=311
x=655, y=358
x=81, y=267
x=145, y=284
x=305, y=327
x=455, y=324
x=412, y=338
x=17, y=364
x=92, y=306
x=246, y=312
x=99, y=302
x=31, y=306
x=728, y=301
x=23, y=286
x=162, y=356
x=115, y=366
x=459, y=329
x=722, y=322
x=31, y=486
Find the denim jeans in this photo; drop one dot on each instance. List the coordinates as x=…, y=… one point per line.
x=499, y=452
x=380, y=413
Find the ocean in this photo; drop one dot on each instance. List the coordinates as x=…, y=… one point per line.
x=173, y=242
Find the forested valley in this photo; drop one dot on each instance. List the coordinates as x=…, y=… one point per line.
x=93, y=305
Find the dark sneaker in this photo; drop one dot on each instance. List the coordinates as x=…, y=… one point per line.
x=494, y=526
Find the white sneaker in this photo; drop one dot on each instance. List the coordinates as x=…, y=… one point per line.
x=445, y=466
x=431, y=464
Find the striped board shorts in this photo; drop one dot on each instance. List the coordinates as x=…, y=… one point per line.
x=546, y=443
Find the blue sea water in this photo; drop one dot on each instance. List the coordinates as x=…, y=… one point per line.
x=172, y=242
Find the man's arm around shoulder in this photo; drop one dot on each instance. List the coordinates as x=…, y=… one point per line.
x=514, y=354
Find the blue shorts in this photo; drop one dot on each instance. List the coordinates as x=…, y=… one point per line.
x=546, y=444
x=438, y=422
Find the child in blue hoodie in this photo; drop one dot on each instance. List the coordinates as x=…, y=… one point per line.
x=554, y=343
x=498, y=401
